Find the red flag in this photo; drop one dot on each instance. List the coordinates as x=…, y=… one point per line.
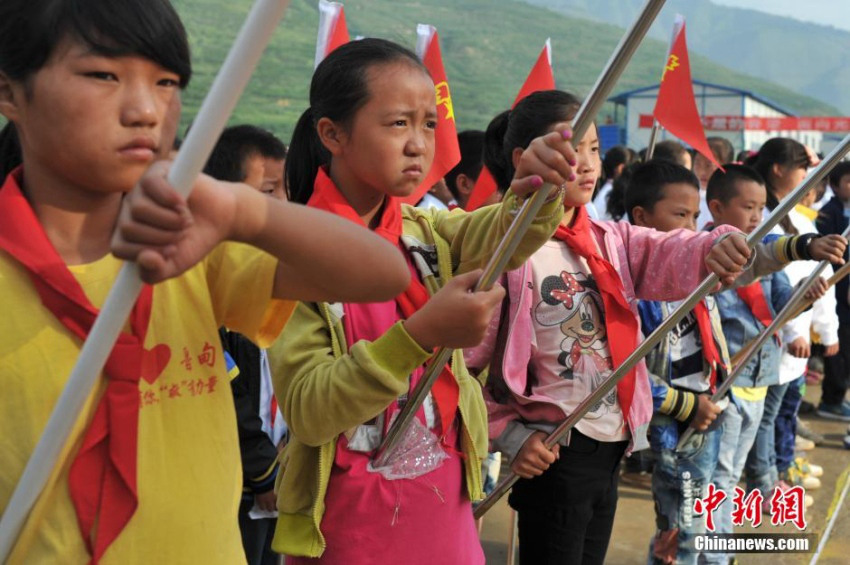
x=446, y=149
x=541, y=77
x=333, y=31
x=675, y=108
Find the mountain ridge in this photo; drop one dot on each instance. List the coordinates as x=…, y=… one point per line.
x=476, y=38
x=809, y=58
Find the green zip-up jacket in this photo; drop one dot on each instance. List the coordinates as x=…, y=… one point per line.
x=324, y=389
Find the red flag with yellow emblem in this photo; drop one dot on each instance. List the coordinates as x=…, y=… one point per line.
x=446, y=149
x=541, y=77
x=676, y=108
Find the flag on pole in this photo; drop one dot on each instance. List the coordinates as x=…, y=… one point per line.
x=675, y=107
x=333, y=31
x=541, y=77
x=446, y=148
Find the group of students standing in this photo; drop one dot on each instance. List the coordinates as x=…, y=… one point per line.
x=545, y=351
x=349, y=292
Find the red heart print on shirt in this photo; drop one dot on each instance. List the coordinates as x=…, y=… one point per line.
x=154, y=362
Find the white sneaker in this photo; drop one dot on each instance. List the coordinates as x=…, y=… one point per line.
x=810, y=483
x=803, y=444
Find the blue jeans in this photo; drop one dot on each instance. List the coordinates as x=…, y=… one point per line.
x=761, y=461
x=737, y=434
x=490, y=470
x=679, y=478
x=786, y=424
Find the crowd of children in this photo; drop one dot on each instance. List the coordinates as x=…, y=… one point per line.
x=268, y=279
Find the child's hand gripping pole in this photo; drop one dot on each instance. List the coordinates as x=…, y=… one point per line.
x=660, y=332
x=807, y=301
x=505, y=250
x=791, y=310
x=522, y=221
x=210, y=121
x=800, y=306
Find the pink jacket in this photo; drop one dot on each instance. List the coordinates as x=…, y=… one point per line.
x=653, y=265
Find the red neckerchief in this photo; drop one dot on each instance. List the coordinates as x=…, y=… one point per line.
x=709, y=347
x=620, y=322
x=102, y=478
x=753, y=297
x=326, y=196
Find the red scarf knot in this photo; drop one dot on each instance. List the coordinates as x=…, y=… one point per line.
x=102, y=478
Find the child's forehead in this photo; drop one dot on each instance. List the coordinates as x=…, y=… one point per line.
x=397, y=85
x=72, y=47
x=749, y=189
x=677, y=188
x=561, y=125
x=69, y=46
x=388, y=73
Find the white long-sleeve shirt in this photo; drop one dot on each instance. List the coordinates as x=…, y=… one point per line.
x=821, y=317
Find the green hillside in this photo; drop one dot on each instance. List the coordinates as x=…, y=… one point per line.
x=488, y=48
x=808, y=58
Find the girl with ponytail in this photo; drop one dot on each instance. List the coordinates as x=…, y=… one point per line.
x=342, y=370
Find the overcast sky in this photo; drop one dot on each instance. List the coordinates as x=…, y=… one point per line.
x=835, y=13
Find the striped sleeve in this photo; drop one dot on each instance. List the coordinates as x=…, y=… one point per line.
x=679, y=404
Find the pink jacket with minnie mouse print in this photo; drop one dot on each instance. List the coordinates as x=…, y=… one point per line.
x=652, y=265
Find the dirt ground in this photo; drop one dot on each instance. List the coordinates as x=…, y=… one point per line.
x=635, y=521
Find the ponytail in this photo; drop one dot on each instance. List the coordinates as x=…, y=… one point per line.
x=516, y=128
x=10, y=150
x=499, y=165
x=306, y=155
x=785, y=223
x=615, y=204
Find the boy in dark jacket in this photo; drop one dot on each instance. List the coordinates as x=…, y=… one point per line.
x=833, y=218
x=252, y=155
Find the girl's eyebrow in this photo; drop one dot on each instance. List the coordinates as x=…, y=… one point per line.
x=408, y=113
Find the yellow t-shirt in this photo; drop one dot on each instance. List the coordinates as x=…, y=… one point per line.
x=189, y=474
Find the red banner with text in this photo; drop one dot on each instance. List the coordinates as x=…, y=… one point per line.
x=787, y=123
